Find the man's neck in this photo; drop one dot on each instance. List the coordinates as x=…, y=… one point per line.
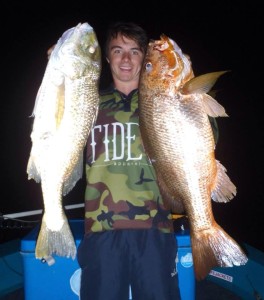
x=125, y=87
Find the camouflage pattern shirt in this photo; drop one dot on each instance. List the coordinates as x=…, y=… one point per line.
x=121, y=191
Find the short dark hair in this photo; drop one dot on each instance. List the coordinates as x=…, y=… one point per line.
x=129, y=30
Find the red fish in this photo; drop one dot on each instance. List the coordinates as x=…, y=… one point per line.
x=173, y=114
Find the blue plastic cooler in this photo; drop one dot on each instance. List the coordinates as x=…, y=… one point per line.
x=184, y=265
x=49, y=282
x=61, y=280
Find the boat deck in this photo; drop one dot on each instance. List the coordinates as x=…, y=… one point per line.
x=205, y=290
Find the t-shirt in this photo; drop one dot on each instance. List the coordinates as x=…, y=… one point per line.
x=121, y=191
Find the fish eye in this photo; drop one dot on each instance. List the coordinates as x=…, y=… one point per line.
x=91, y=49
x=148, y=66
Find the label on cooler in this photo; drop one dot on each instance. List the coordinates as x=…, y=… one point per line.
x=75, y=281
x=187, y=260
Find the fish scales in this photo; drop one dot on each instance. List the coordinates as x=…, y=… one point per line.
x=65, y=110
x=178, y=138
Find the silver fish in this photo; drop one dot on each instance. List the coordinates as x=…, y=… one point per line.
x=65, y=110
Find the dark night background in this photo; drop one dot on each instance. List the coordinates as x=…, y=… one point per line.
x=218, y=35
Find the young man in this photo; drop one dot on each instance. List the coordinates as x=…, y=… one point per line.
x=129, y=239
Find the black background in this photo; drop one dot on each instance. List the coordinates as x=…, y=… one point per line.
x=218, y=35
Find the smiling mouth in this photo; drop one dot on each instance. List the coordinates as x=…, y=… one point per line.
x=126, y=68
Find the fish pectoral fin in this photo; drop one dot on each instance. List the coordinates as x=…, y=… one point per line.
x=60, y=105
x=171, y=203
x=95, y=117
x=224, y=189
x=75, y=175
x=175, y=205
x=201, y=84
x=212, y=107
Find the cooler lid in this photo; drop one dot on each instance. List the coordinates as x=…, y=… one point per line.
x=183, y=238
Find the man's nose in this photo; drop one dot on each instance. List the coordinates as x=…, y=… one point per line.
x=126, y=56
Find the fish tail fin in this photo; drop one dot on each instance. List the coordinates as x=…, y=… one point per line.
x=214, y=247
x=224, y=189
x=59, y=242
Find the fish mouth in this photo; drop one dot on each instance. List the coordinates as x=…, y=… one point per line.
x=160, y=45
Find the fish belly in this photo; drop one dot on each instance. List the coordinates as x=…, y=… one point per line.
x=181, y=146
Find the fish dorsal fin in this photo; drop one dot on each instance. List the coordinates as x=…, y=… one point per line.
x=201, y=84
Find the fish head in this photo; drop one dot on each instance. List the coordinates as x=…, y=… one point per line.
x=77, y=48
x=165, y=62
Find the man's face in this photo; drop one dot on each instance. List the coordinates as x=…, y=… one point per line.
x=125, y=59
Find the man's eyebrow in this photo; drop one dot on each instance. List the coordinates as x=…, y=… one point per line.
x=119, y=47
x=114, y=47
x=136, y=48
